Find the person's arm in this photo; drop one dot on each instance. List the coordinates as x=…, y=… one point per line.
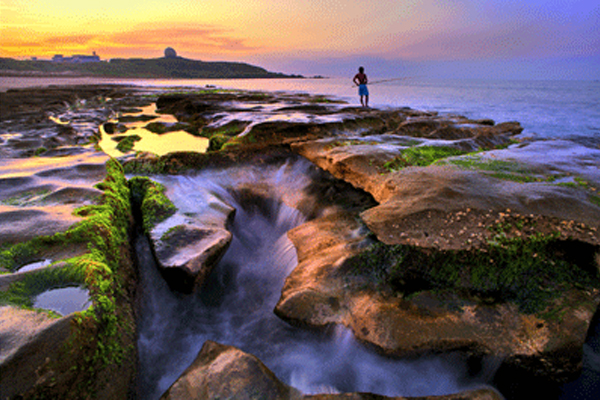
x=355, y=80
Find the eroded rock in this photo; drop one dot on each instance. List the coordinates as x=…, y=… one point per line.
x=187, y=247
x=329, y=287
x=435, y=209
x=221, y=371
x=187, y=254
x=39, y=198
x=29, y=340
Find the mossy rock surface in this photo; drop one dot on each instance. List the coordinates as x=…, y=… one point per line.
x=75, y=366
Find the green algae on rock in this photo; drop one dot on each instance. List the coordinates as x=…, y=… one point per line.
x=530, y=272
x=103, y=366
x=421, y=156
x=150, y=197
x=126, y=143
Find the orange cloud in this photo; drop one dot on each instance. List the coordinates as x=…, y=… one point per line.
x=142, y=41
x=194, y=39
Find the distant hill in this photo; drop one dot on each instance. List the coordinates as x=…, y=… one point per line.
x=175, y=67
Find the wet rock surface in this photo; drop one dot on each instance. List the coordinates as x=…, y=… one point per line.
x=53, y=121
x=29, y=341
x=53, y=188
x=38, y=196
x=224, y=371
x=488, y=188
x=187, y=251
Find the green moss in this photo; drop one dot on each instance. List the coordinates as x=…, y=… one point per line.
x=421, y=156
x=103, y=333
x=568, y=184
x=110, y=317
x=160, y=128
x=26, y=197
x=257, y=96
x=527, y=272
x=320, y=99
x=217, y=142
x=23, y=293
x=16, y=255
x=126, y=143
x=230, y=145
x=582, y=182
x=515, y=177
x=222, y=135
x=230, y=129
x=500, y=169
x=150, y=197
x=249, y=138
x=170, y=233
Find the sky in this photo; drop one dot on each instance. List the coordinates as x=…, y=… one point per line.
x=545, y=39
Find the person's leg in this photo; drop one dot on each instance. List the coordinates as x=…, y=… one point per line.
x=367, y=101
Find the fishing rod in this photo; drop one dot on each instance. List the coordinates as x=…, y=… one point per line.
x=387, y=80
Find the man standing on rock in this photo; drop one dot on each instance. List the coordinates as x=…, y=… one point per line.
x=361, y=81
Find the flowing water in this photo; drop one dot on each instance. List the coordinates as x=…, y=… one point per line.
x=235, y=306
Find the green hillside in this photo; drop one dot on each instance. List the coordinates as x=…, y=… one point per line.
x=177, y=67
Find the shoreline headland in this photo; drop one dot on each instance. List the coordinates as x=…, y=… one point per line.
x=157, y=68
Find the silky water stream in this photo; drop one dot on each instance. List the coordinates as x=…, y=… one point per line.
x=235, y=306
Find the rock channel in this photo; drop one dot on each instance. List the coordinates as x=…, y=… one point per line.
x=465, y=243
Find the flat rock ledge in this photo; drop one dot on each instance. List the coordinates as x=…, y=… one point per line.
x=447, y=207
x=221, y=371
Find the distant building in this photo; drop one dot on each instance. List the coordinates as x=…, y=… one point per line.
x=76, y=59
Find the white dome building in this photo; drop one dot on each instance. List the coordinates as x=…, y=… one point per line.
x=170, y=53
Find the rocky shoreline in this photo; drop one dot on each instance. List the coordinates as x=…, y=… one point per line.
x=425, y=234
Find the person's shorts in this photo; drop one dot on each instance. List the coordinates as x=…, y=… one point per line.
x=362, y=90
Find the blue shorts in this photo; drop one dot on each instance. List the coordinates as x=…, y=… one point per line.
x=362, y=90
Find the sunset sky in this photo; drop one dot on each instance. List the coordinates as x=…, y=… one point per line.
x=531, y=38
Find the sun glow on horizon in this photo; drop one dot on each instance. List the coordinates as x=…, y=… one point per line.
x=302, y=31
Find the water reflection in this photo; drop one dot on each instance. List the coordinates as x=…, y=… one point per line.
x=151, y=142
x=63, y=301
